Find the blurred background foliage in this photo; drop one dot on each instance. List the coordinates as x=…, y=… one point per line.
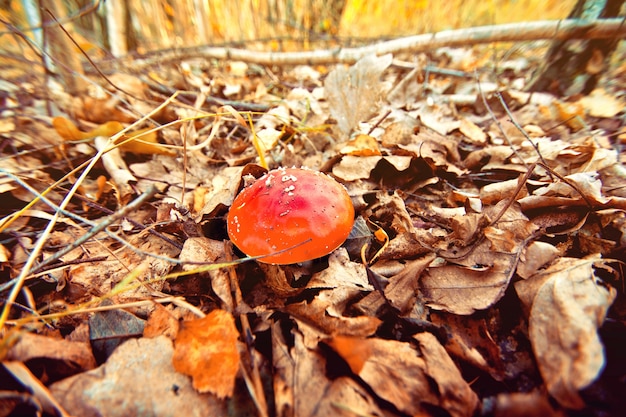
x=121, y=26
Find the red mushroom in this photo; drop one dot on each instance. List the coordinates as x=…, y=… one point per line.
x=291, y=215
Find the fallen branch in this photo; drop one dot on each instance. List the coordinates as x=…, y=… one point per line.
x=511, y=32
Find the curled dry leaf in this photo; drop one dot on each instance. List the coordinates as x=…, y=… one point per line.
x=316, y=313
x=362, y=145
x=412, y=382
x=567, y=303
x=206, y=350
x=58, y=358
x=535, y=256
x=354, y=93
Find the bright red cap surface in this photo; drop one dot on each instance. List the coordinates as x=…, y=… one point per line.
x=304, y=211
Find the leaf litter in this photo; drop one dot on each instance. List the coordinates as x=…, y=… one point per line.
x=484, y=274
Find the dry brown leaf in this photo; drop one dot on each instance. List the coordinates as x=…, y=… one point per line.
x=567, y=304
x=498, y=191
x=397, y=373
x=400, y=132
x=341, y=272
x=206, y=350
x=401, y=291
x=301, y=387
x=354, y=93
x=394, y=370
x=436, y=119
x=478, y=280
x=99, y=277
x=138, y=378
x=471, y=131
x=455, y=394
x=316, y=313
x=535, y=256
x=469, y=340
x=352, y=168
x=35, y=392
x=59, y=358
x=347, y=280
x=571, y=113
x=202, y=249
x=463, y=290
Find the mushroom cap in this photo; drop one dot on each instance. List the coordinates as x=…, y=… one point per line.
x=292, y=215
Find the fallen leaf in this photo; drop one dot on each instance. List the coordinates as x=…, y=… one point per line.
x=355, y=167
x=109, y=329
x=410, y=380
x=301, y=387
x=601, y=104
x=535, y=256
x=137, y=379
x=567, y=304
x=53, y=358
x=206, y=350
x=31, y=390
x=354, y=93
x=471, y=131
x=362, y=145
x=162, y=322
x=455, y=394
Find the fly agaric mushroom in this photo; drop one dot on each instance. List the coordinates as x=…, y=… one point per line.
x=291, y=215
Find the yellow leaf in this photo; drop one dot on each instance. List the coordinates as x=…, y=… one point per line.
x=106, y=129
x=362, y=145
x=143, y=142
x=601, y=104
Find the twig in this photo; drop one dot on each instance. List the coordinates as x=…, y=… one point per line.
x=495, y=119
x=135, y=223
x=512, y=119
x=149, y=193
x=239, y=105
x=46, y=233
x=253, y=381
x=89, y=223
x=83, y=310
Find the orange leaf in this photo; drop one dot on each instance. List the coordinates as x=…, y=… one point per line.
x=354, y=350
x=362, y=145
x=206, y=350
x=66, y=129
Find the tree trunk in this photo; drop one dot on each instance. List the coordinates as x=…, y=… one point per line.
x=575, y=66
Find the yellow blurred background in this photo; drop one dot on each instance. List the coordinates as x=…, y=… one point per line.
x=159, y=24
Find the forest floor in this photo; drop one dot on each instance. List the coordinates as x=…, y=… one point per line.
x=484, y=274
